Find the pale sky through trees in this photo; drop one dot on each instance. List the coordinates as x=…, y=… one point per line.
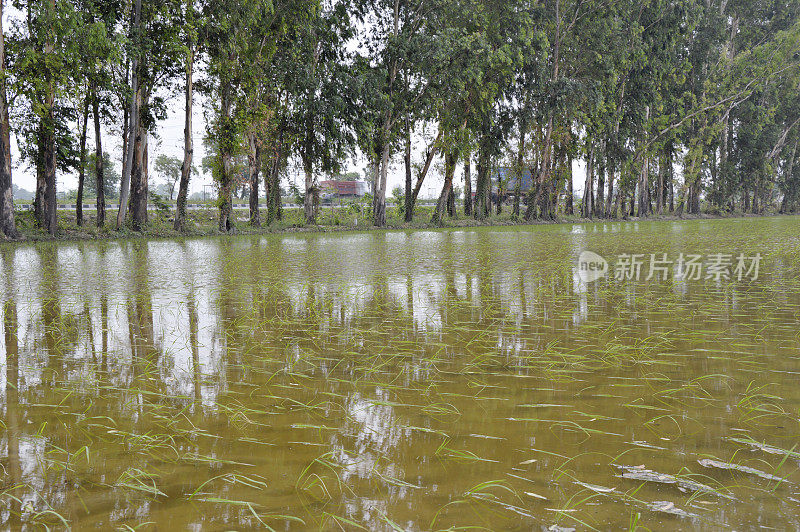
x=169, y=141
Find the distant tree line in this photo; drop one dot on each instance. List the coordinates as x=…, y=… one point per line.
x=668, y=103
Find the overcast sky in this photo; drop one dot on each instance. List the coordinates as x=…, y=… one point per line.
x=169, y=141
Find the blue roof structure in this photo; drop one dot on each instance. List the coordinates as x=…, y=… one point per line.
x=509, y=179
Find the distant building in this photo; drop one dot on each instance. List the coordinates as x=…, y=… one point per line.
x=343, y=189
x=508, y=178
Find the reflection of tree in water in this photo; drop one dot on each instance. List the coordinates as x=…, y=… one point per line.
x=342, y=365
x=51, y=315
x=33, y=460
x=194, y=345
x=12, y=414
x=349, y=351
x=146, y=357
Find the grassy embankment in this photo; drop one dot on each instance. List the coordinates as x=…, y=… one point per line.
x=204, y=223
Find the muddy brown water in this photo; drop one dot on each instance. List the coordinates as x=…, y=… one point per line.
x=419, y=380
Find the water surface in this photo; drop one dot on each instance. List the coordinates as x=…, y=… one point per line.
x=402, y=381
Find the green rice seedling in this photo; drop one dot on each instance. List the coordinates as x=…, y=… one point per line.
x=462, y=455
x=129, y=528
x=478, y=496
x=140, y=481
x=347, y=379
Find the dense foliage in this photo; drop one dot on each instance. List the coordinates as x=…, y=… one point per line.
x=673, y=106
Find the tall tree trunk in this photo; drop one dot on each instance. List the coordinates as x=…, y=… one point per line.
x=613, y=202
x=483, y=187
x=534, y=195
x=544, y=175
x=609, y=207
x=502, y=190
x=520, y=168
x=633, y=202
x=557, y=189
x=686, y=188
x=125, y=125
x=274, y=206
x=226, y=171
x=379, y=210
x=644, y=175
x=619, y=208
x=139, y=180
x=662, y=169
x=538, y=197
x=275, y=191
x=451, y=202
x=548, y=200
x=254, y=163
x=569, y=207
x=468, y=183
x=98, y=162
x=766, y=196
x=188, y=138
x=599, y=203
x=670, y=179
x=722, y=172
x=774, y=158
x=756, y=206
x=82, y=163
x=520, y=175
x=520, y=171
x=447, y=187
x=133, y=118
x=381, y=175
x=267, y=171
x=45, y=203
x=791, y=192
x=433, y=150
x=7, y=222
x=588, y=187
x=408, y=207
x=559, y=186
x=309, y=213
x=374, y=166
x=644, y=188
x=310, y=200
x=500, y=197
x=696, y=187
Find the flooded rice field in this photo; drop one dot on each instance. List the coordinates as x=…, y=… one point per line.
x=423, y=380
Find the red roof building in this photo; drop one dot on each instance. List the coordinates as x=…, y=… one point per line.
x=345, y=189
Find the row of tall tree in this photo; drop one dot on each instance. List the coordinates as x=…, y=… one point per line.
x=668, y=103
